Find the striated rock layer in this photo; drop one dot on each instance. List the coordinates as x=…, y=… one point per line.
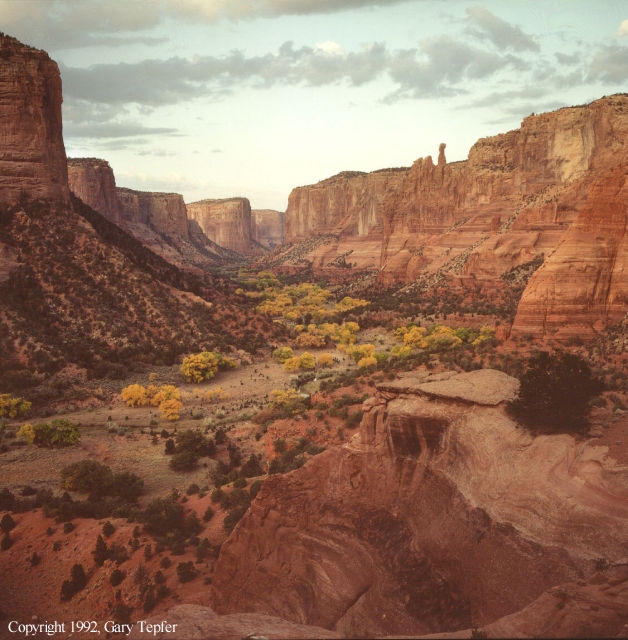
x=226, y=222
x=32, y=154
x=532, y=194
x=159, y=220
x=439, y=516
x=163, y=212
x=92, y=180
x=268, y=227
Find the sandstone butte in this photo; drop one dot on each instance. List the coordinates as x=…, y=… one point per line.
x=396, y=533
x=554, y=190
x=32, y=154
x=228, y=222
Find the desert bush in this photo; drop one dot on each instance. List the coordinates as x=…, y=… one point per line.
x=77, y=582
x=13, y=407
x=555, y=393
x=204, y=366
x=186, y=571
x=101, y=551
x=57, y=433
x=7, y=523
x=117, y=576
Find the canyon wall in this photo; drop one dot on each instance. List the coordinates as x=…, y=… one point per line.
x=268, y=227
x=438, y=516
x=226, y=222
x=92, y=180
x=523, y=196
x=163, y=212
x=32, y=155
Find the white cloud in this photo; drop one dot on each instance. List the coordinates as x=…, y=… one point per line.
x=329, y=48
x=623, y=28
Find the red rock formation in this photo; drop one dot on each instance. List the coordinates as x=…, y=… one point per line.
x=441, y=514
x=32, y=154
x=163, y=212
x=268, y=227
x=226, y=222
x=92, y=181
x=583, y=286
x=349, y=203
x=516, y=199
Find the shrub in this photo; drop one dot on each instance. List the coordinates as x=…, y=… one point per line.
x=186, y=571
x=555, y=393
x=100, y=552
x=77, y=581
x=58, y=433
x=116, y=577
x=87, y=476
x=7, y=523
x=204, y=366
x=281, y=354
x=183, y=461
x=13, y=407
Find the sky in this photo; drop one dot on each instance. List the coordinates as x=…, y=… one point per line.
x=225, y=98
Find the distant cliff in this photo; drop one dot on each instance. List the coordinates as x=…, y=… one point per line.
x=32, y=154
x=227, y=222
x=524, y=196
x=92, y=181
x=163, y=212
x=268, y=227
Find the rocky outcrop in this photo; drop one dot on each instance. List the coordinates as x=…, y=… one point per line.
x=195, y=622
x=520, y=197
x=226, y=222
x=32, y=154
x=583, y=286
x=268, y=227
x=163, y=212
x=349, y=203
x=440, y=515
x=92, y=180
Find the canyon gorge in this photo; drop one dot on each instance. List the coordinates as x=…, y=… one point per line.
x=439, y=515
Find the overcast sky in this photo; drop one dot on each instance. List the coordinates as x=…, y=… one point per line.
x=220, y=98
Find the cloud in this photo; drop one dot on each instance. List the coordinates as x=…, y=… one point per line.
x=215, y=10
x=609, y=65
x=438, y=67
x=67, y=24
x=623, y=28
x=487, y=26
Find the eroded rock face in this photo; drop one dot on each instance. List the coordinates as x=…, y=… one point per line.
x=226, y=222
x=164, y=212
x=32, y=154
x=92, y=180
x=524, y=196
x=440, y=515
x=194, y=622
x=268, y=227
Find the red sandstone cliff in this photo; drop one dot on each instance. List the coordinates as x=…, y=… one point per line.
x=268, y=227
x=32, y=154
x=555, y=182
x=92, y=181
x=163, y=212
x=397, y=533
x=226, y=222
